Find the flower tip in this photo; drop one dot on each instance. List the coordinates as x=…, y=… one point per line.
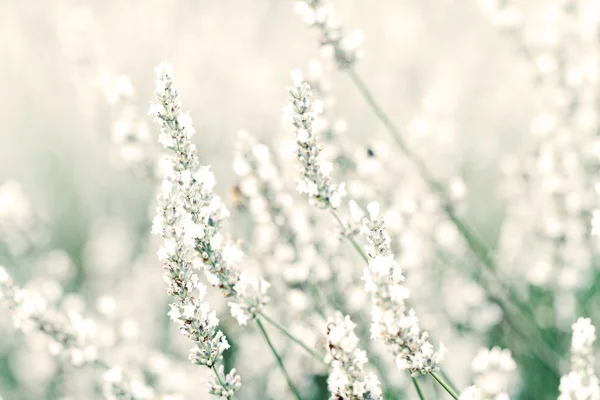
x=373, y=209
x=164, y=70
x=297, y=77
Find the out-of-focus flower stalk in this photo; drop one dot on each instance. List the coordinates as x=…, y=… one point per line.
x=68, y=334
x=68, y=337
x=319, y=14
x=581, y=383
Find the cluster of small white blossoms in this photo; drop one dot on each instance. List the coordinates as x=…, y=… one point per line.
x=116, y=386
x=69, y=335
x=550, y=185
x=581, y=383
x=493, y=369
x=188, y=216
x=20, y=227
x=470, y=393
x=331, y=129
x=347, y=379
x=391, y=321
x=190, y=186
x=133, y=145
x=314, y=180
x=263, y=193
x=343, y=48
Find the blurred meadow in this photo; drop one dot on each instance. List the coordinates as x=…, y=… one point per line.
x=499, y=99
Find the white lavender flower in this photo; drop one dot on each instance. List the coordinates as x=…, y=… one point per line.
x=392, y=322
x=189, y=188
x=471, y=393
x=347, y=379
x=187, y=212
x=68, y=334
x=263, y=193
x=314, y=180
x=119, y=387
x=581, y=383
x=21, y=228
x=343, y=48
x=493, y=369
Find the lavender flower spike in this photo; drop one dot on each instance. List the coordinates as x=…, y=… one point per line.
x=347, y=379
x=581, y=383
x=181, y=212
x=392, y=322
x=314, y=178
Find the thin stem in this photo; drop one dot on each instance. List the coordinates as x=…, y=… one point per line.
x=417, y=388
x=214, y=368
x=350, y=238
x=443, y=384
x=478, y=247
x=319, y=300
x=312, y=352
x=279, y=361
x=448, y=380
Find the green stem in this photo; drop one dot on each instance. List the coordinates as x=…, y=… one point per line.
x=448, y=380
x=477, y=246
x=417, y=388
x=312, y=352
x=443, y=384
x=350, y=238
x=214, y=368
x=279, y=361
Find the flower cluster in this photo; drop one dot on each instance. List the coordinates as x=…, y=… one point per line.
x=314, y=179
x=21, y=228
x=581, y=383
x=492, y=370
x=118, y=387
x=343, y=48
x=262, y=191
x=347, y=379
x=133, y=146
x=190, y=187
x=69, y=335
x=551, y=185
x=471, y=393
x=391, y=321
x=186, y=210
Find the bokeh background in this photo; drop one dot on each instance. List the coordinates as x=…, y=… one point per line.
x=90, y=214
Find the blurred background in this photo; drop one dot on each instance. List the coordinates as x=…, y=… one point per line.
x=466, y=82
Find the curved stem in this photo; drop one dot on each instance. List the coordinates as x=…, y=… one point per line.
x=350, y=238
x=279, y=361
